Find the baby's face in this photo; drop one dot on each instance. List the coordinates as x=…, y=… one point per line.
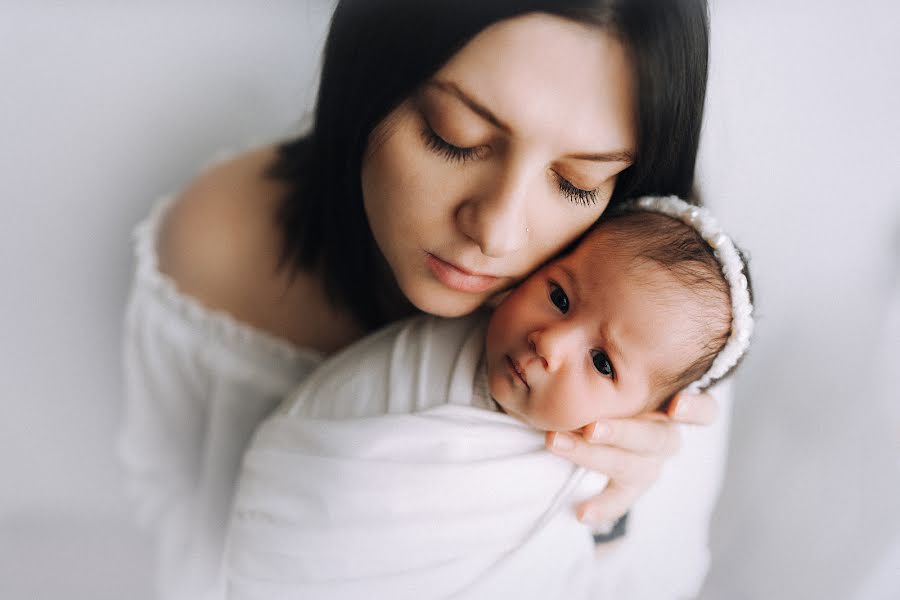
x=581, y=339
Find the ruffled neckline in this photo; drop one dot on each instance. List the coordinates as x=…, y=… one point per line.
x=221, y=325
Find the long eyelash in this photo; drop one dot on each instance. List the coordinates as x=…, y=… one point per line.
x=440, y=146
x=576, y=194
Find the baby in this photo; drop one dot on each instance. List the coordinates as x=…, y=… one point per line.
x=639, y=310
x=384, y=476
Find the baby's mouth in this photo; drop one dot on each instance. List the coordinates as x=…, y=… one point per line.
x=518, y=371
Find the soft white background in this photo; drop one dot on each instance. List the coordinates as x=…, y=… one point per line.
x=103, y=107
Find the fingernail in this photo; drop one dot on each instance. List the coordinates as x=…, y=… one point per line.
x=563, y=442
x=601, y=432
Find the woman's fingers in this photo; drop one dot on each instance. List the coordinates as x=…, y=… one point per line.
x=630, y=452
x=602, y=511
x=694, y=409
x=649, y=435
x=626, y=468
x=630, y=475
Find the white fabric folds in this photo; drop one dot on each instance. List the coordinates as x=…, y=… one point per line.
x=385, y=476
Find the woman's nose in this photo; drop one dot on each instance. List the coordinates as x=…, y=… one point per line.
x=554, y=345
x=495, y=217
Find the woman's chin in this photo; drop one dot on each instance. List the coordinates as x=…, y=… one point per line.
x=435, y=299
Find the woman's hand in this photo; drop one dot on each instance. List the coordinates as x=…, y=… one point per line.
x=630, y=452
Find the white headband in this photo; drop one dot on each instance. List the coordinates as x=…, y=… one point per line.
x=732, y=267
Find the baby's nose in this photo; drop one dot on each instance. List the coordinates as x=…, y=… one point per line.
x=553, y=345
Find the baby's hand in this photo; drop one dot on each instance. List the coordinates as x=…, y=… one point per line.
x=630, y=452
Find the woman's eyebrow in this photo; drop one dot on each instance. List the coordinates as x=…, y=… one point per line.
x=618, y=156
x=453, y=89
x=468, y=100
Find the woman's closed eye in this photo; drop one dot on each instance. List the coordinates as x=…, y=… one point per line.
x=559, y=298
x=576, y=194
x=442, y=147
x=459, y=154
x=602, y=364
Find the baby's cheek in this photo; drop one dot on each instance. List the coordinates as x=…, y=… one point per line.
x=550, y=409
x=495, y=380
x=561, y=407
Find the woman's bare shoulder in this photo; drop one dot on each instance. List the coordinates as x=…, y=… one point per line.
x=220, y=244
x=217, y=226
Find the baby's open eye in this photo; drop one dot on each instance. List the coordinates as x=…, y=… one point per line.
x=602, y=363
x=558, y=298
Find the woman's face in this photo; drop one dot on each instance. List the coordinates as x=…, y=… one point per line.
x=505, y=156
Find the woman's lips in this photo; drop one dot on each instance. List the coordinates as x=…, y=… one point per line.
x=517, y=370
x=455, y=278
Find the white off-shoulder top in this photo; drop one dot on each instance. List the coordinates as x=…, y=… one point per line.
x=197, y=384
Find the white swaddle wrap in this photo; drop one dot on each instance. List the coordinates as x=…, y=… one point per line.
x=384, y=475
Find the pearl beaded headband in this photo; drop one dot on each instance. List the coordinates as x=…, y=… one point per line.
x=702, y=221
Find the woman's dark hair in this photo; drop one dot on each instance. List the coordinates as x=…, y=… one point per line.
x=379, y=52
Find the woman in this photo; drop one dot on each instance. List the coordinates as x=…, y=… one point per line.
x=456, y=147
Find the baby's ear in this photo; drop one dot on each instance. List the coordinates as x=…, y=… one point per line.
x=495, y=300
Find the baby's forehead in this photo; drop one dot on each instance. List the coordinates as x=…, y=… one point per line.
x=607, y=244
x=645, y=239
x=640, y=251
x=634, y=227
